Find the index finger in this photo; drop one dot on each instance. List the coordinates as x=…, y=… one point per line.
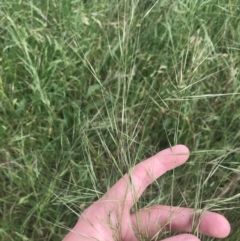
x=131, y=186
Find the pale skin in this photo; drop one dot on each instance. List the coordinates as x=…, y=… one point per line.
x=110, y=219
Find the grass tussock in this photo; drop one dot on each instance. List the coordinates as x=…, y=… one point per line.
x=90, y=88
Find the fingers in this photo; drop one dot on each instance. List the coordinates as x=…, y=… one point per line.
x=182, y=237
x=130, y=187
x=161, y=218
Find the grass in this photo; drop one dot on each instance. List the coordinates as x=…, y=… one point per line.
x=90, y=88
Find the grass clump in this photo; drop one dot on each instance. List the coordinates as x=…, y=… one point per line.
x=90, y=88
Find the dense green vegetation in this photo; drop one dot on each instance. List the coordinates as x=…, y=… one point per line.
x=90, y=88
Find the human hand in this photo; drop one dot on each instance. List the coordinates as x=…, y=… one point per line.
x=109, y=218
